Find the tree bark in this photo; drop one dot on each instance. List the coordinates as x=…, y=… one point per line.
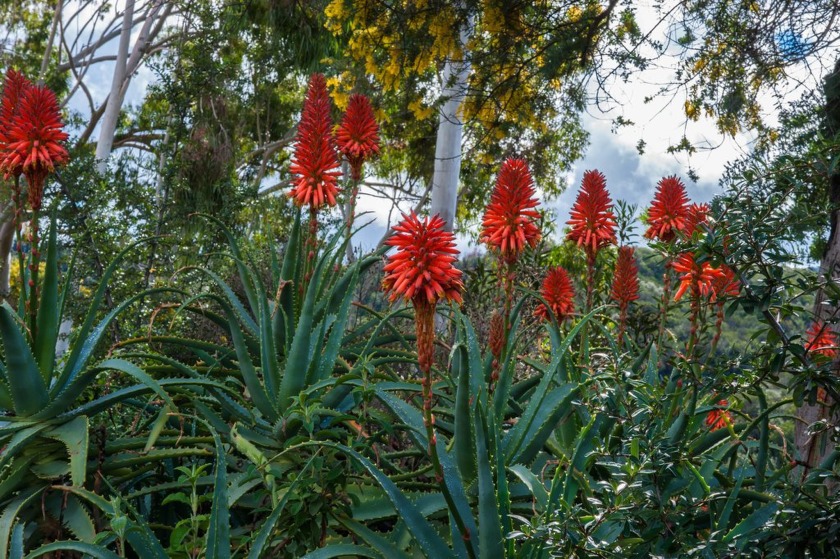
x=115, y=98
x=813, y=446
x=447, y=169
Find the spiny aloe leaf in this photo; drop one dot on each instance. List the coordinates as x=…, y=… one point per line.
x=218, y=534
x=26, y=384
x=428, y=540
x=74, y=436
x=48, y=315
x=10, y=514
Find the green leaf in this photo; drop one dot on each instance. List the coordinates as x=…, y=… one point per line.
x=94, y=551
x=74, y=435
x=79, y=521
x=9, y=517
x=758, y=519
x=218, y=533
x=428, y=540
x=490, y=538
x=48, y=311
x=29, y=392
x=341, y=550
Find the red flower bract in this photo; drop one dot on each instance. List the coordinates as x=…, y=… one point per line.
x=32, y=145
x=358, y=134
x=625, y=287
x=822, y=341
x=592, y=221
x=315, y=162
x=668, y=211
x=558, y=292
x=422, y=270
x=718, y=419
x=696, y=215
x=510, y=219
x=699, y=278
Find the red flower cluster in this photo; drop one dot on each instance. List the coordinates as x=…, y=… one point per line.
x=315, y=162
x=822, y=341
x=717, y=418
x=668, y=211
x=30, y=134
x=558, y=292
x=726, y=285
x=592, y=221
x=700, y=278
x=358, y=134
x=625, y=287
x=510, y=219
x=422, y=270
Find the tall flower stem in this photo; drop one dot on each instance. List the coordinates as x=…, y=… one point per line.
x=666, y=299
x=424, y=321
x=311, y=248
x=34, y=268
x=508, y=273
x=18, y=236
x=351, y=211
x=590, y=280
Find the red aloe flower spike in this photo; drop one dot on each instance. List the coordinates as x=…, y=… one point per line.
x=726, y=285
x=558, y=292
x=14, y=86
x=696, y=215
x=33, y=143
x=718, y=418
x=592, y=220
x=668, y=211
x=422, y=270
x=509, y=222
x=315, y=161
x=699, y=278
x=822, y=341
x=358, y=134
x=625, y=287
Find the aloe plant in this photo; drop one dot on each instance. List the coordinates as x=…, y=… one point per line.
x=45, y=431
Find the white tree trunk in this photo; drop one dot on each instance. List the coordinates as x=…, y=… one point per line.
x=447, y=169
x=115, y=98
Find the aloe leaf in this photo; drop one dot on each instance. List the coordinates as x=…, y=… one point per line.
x=515, y=438
x=326, y=361
x=386, y=548
x=341, y=550
x=534, y=434
x=244, y=274
x=430, y=543
x=90, y=337
x=490, y=538
x=297, y=362
x=27, y=387
x=86, y=549
x=533, y=483
x=464, y=437
x=240, y=311
x=74, y=436
x=9, y=517
x=48, y=315
x=218, y=534
x=79, y=521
